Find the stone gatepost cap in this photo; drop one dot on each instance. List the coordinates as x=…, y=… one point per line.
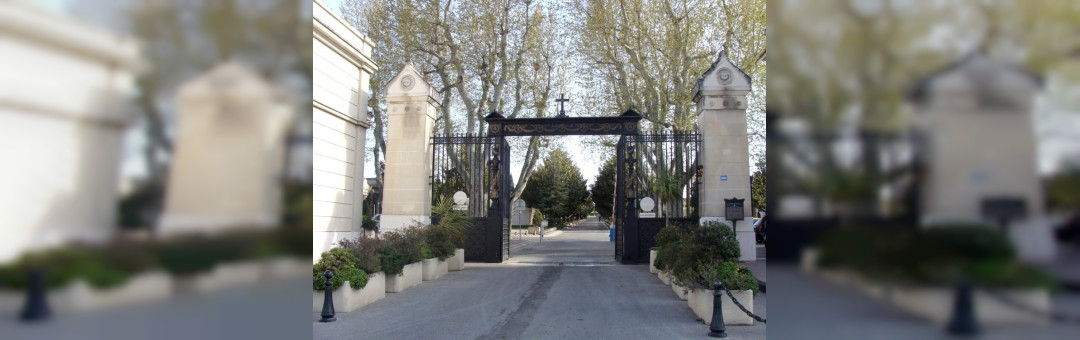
x=722, y=77
x=976, y=76
x=410, y=83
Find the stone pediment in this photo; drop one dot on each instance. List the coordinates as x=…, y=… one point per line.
x=721, y=77
x=410, y=83
x=977, y=81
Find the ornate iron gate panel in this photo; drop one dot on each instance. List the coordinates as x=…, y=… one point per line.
x=472, y=164
x=664, y=168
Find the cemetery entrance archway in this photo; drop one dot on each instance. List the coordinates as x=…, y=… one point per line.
x=662, y=167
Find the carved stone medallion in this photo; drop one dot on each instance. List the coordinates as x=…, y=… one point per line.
x=407, y=82
x=724, y=76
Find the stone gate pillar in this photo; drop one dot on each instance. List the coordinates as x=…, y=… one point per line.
x=720, y=96
x=412, y=106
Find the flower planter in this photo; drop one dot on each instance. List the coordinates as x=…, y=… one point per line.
x=79, y=296
x=347, y=299
x=458, y=261
x=935, y=304
x=225, y=275
x=285, y=268
x=680, y=291
x=701, y=302
x=652, y=260
x=411, y=275
x=664, y=277
x=430, y=269
x=444, y=267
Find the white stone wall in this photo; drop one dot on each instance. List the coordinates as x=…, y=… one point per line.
x=341, y=70
x=64, y=105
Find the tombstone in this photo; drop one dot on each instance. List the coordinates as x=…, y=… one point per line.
x=412, y=105
x=228, y=158
x=66, y=104
x=341, y=71
x=981, y=157
x=720, y=95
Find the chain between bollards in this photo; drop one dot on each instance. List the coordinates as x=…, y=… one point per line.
x=328, y=299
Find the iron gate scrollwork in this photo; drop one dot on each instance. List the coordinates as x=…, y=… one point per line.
x=473, y=164
x=665, y=168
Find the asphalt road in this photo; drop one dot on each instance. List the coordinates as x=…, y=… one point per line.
x=531, y=296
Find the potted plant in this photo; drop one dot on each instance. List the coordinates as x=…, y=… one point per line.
x=404, y=253
x=348, y=282
x=737, y=278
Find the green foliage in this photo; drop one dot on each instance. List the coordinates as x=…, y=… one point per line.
x=937, y=255
x=61, y=266
x=1063, y=188
x=392, y=261
x=342, y=263
x=538, y=218
x=366, y=250
x=686, y=250
x=439, y=242
x=734, y=276
x=408, y=241
x=455, y=224
x=558, y=190
x=602, y=190
x=757, y=186
x=369, y=224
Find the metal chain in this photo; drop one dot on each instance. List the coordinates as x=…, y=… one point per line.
x=1055, y=316
x=748, y=313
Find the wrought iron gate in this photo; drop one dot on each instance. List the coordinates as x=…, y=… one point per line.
x=665, y=168
x=479, y=167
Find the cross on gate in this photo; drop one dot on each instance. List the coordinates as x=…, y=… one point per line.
x=562, y=99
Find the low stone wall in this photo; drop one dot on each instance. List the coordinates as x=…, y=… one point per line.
x=701, y=302
x=411, y=275
x=457, y=262
x=347, y=299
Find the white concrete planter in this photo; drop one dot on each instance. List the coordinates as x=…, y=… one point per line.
x=347, y=299
x=701, y=302
x=285, y=268
x=444, y=267
x=79, y=296
x=430, y=269
x=458, y=261
x=652, y=260
x=936, y=305
x=808, y=260
x=225, y=275
x=680, y=291
x=664, y=277
x=411, y=275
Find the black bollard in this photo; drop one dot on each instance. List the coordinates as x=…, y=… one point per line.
x=716, y=327
x=37, y=307
x=963, y=319
x=328, y=299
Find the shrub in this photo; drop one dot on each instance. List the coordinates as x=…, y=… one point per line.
x=391, y=260
x=454, y=223
x=61, y=266
x=366, y=250
x=408, y=241
x=938, y=255
x=734, y=276
x=695, y=246
x=343, y=263
x=369, y=224
x=439, y=242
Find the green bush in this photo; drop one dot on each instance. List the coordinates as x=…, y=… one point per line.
x=366, y=250
x=343, y=264
x=937, y=255
x=408, y=241
x=439, y=242
x=392, y=261
x=61, y=266
x=734, y=276
x=685, y=249
x=369, y=224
